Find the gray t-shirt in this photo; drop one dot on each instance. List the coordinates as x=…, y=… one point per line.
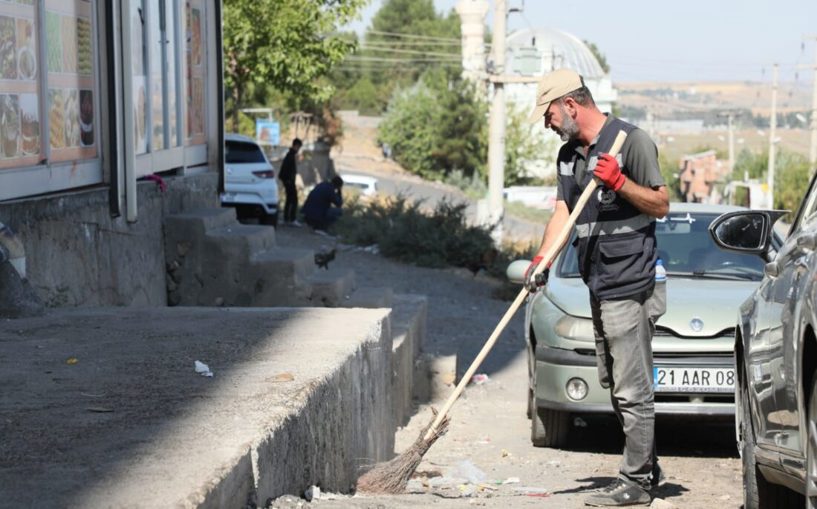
x=638, y=159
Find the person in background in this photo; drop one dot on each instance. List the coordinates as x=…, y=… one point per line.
x=287, y=174
x=323, y=205
x=617, y=253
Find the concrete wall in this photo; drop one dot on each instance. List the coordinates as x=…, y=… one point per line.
x=78, y=255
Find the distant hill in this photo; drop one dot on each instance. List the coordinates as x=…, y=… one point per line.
x=685, y=98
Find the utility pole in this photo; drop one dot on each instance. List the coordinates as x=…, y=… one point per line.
x=731, y=142
x=772, y=128
x=812, y=158
x=496, y=128
x=730, y=117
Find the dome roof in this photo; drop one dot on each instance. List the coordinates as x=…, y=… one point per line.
x=557, y=49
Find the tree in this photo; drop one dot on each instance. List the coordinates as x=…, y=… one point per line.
x=406, y=39
x=599, y=56
x=289, y=44
x=791, y=176
x=521, y=147
x=438, y=126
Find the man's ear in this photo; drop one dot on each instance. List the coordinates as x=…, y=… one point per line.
x=571, y=106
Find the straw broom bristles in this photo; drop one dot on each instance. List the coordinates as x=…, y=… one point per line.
x=392, y=476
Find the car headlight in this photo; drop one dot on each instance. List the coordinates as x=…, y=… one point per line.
x=576, y=389
x=570, y=327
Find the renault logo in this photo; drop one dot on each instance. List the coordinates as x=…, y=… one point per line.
x=696, y=324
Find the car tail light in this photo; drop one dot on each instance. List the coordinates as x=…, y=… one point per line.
x=266, y=174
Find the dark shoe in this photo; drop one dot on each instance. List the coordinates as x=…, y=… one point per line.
x=618, y=494
x=657, y=478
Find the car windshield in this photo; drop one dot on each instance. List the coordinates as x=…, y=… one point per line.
x=243, y=152
x=687, y=249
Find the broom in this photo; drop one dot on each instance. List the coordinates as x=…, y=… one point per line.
x=393, y=476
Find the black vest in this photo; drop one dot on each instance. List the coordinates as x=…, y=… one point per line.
x=613, y=265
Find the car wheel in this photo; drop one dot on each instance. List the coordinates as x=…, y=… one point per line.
x=757, y=491
x=811, y=448
x=746, y=446
x=549, y=428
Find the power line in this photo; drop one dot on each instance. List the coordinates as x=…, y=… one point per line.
x=355, y=58
x=413, y=36
x=411, y=52
x=412, y=43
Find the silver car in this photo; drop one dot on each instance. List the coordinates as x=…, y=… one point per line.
x=693, y=343
x=776, y=358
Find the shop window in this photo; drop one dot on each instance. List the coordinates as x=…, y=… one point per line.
x=47, y=95
x=196, y=71
x=161, y=58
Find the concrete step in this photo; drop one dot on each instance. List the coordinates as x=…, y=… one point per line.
x=411, y=375
x=297, y=262
x=145, y=430
x=242, y=240
x=370, y=297
x=331, y=287
x=202, y=220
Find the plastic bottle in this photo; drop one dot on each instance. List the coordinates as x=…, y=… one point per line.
x=660, y=271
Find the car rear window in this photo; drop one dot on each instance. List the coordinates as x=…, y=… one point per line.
x=243, y=152
x=687, y=249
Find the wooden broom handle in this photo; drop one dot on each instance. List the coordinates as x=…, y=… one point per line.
x=546, y=259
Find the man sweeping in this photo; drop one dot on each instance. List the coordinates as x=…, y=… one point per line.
x=616, y=248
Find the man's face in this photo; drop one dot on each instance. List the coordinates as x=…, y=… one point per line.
x=559, y=120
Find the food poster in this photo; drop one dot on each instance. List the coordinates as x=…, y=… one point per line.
x=157, y=77
x=19, y=87
x=29, y=124
x=140, y=98
x=10, y=126
x=140, y=127
x=72, y=111
x=196, y=108
x=8, y=47
x=86, y=118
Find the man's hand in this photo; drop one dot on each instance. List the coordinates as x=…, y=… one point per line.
x=533, y=283
x=608, y=171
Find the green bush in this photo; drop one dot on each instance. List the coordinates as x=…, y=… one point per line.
x=403, y=231
x=407, y=232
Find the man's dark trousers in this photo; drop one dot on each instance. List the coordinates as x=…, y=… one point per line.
x=291, y=203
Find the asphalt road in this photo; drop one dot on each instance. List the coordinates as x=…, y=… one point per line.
x=489, y=436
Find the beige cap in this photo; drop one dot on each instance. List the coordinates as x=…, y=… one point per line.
x=551, y=87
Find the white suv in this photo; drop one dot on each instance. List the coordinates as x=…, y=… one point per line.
x=249, y=180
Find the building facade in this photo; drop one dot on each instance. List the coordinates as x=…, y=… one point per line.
x=94, y=96
x=698, y=174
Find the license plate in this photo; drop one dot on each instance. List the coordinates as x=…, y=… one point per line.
x=683, y=379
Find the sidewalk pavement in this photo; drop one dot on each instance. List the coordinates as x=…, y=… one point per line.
x=103, y=407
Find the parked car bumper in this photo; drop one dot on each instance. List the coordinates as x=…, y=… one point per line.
x=555, y=367
x=266, y=203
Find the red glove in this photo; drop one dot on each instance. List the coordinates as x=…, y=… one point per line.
x=541, y=278
x=608, y=171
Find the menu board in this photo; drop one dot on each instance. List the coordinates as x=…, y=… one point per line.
x=71, y=82
x=19, y=88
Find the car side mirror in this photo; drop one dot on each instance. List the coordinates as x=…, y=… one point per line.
x=516, y=271
x=745, y=231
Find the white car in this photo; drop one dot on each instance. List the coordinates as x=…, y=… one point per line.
x=249, y=180
x=366, y=185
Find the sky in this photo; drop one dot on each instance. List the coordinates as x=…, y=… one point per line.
x=678, y=40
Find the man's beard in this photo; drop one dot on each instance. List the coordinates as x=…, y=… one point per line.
x=569, y=129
